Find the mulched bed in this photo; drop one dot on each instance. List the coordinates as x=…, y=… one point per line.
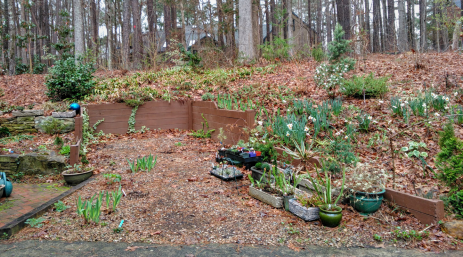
x=179, y=202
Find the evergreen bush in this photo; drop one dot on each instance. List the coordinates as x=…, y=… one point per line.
x=450, y=158
x=70, y=80
x=374, y=87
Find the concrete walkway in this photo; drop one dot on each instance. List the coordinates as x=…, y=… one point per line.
x=59, y=248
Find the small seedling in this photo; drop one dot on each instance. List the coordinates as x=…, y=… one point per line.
x=378, y=238
x=112, y=178
x=118, y=230
x=60, y=206
x=35, y=223
x=178, y=144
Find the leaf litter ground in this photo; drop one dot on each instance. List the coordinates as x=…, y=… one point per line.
x=179, y=202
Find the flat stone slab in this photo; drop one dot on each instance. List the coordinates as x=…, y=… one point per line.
x=454, y=228
x=27, y=113
x=58, y=115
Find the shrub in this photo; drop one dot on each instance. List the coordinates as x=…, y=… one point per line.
x=456, y=201
x=317, y=53
x=450, y=158
x=70, y=80
x=278, y=49
x=330, y=75
x=65, y=150
x=207, y=97
x=374, y=87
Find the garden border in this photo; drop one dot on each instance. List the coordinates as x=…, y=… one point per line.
x=19, y=223
x=170, y=115
x=428, y=211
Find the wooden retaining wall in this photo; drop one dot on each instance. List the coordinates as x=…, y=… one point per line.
x=164, y=115
x=428, y=211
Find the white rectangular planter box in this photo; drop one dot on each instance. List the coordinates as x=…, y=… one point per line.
x=307, y=214
x=275, y=201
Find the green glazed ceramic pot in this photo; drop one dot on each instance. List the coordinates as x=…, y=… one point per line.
x=330, y=218
x=367, y=203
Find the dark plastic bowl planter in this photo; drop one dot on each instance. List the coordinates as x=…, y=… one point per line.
x=366, y=203
x=74, y=179
x=330, y=217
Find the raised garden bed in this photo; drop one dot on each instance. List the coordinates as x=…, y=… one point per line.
x=275, y=201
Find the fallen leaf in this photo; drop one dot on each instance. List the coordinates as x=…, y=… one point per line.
x=293, y=247
x=156, y=233
x=222, y=218
x=133, y=248
x=192, y=179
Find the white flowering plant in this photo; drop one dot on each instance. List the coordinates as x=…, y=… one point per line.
x=329, y=76
x=364, y=121
x=366, y=178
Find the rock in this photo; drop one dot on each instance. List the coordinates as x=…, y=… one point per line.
x=27, y=113
x=71, y=114
x=1, y=113
x=32, y=164
x=68, y=124
x=454, y=228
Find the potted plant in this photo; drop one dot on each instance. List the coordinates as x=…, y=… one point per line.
x=305, y=206
x=263, y=191
x=366, y=187
x=76, y=174
x=225, y=172
x=259, y=169
x=330, y=213
x=283, y=183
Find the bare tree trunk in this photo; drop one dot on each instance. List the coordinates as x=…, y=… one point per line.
x=94, y=21
x=290, y=25
x=246, y=30
x=328, y=21
x=23, y=33
x=137, y=37
x=390, y=29
x=182, y=37
x=376, y=26
x=410, y=25
x=126, y=35
x=343, y=7
x=150, y=14
x=274, y=21
x=384, y=26
x=309, y=18
x=12, y=38
x=78, y=30
x=319, y=22
x=456, y=35
x=423, y=25
x=267, y=21
x=403, y=44
x=220, y=26
x=367, y=24
x=167, y=24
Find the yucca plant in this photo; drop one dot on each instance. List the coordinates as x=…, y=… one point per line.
x=302, y=152
x=323, y=186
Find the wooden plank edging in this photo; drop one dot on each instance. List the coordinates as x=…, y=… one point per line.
x=428, y=211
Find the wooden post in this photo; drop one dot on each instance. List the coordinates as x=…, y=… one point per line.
x=190, y=115
x=74, y=155
x=78, y=128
